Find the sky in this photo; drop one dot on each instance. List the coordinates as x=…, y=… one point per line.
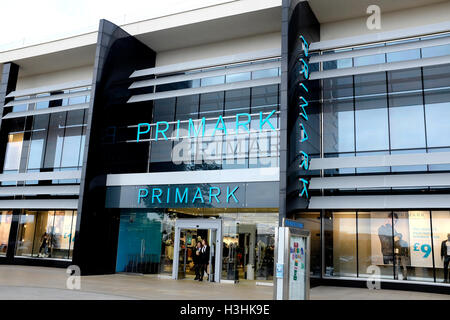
x=30, y=21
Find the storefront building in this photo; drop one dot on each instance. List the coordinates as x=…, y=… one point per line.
x=125, y=147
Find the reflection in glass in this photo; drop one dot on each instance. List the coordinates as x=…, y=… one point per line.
x=441, y=242
x=311, y=222
x=5, y=227
x=13, y=152
x=375, y=244
x=45, y=234
x=340, y=244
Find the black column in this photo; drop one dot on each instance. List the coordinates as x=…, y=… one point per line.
x=118, y=55
x=8, y=84
x=297, y=19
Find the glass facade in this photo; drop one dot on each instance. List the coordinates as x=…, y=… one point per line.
x=47, y=142
x=46, y=234
x=216, y=148
x=372, y=115
x=146, y=241
x=402, y=245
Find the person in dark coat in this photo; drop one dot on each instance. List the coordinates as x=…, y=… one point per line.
x=204, y=258
x=197, y=260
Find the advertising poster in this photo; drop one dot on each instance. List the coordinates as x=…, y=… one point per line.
x=408, y=237
x=420, y=239
x=297, y=265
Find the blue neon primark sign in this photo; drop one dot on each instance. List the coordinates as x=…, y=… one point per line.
x=242, y=121
x=303, y=115
x=186, y=195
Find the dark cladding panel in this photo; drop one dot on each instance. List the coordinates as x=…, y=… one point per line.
x=299, y=29
x=118, y=55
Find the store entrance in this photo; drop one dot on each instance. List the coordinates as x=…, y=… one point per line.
x=188, y=232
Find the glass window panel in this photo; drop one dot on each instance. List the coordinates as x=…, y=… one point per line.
x=441, y=239
x=407, y=126
x=212, y=81
x=264, y=99
x=371, y=122
x=72, y=233
x=369, y=60
x=439, y=167
x=372, y=83
x=5, y=227
x=337, y=87
x=403, y=55
x=339, y=171
x=405, y=80
x=436, y=51
x=25, y=235
x=412, y=246
x=267, y=73
x=437, y=105
x=436, y=76
x=72, y=139
x=13, y=151
x=311, y=222
x=338, y=64
x=42, y=104
x=55, y=140
x=237, y=77
x=43, y=236
x=375, y=243
x=164, y=109
x=372, y=169
x=339, y=126
x=438, y=126
x=37, y=143
x=418, y=168
x=211, y=104
x=237, y=101
x=340, y=244
x=60, y=234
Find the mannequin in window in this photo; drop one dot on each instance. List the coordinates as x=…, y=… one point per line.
x=445, y=255
x=385, y=233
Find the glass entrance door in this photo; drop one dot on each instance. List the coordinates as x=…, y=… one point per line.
x=188, y=233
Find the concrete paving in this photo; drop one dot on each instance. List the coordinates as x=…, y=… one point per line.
x=31, y=283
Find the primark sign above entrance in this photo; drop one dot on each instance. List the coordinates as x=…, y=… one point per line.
x=205, y=195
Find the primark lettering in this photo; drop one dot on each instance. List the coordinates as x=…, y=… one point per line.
x=209, y=195
x=242, y=121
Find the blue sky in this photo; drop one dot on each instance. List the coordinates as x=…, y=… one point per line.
x=40, y=20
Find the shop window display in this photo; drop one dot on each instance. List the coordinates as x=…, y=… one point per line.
x=5, y=226
x=402, y=245
x=46, y=234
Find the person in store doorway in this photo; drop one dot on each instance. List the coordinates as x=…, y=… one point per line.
x=44, y=244
x=197, y=260
x=445, y=255
x=204, y=259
